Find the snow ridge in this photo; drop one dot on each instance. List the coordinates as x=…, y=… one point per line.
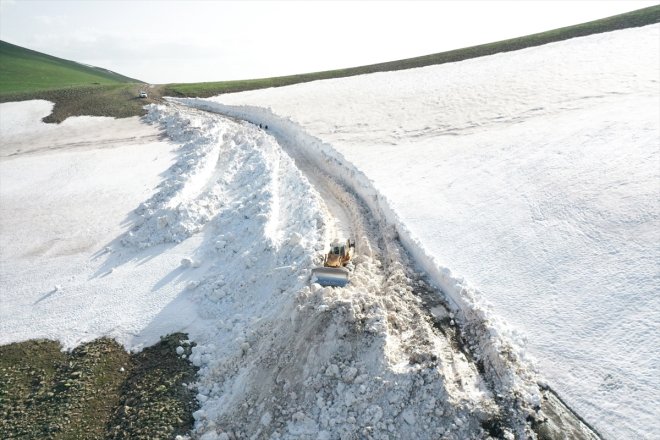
x=213, y=157
x=182, y=205
x=500, y=350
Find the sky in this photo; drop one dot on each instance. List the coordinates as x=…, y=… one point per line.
x=192, y=41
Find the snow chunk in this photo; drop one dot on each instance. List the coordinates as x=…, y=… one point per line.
x=409, y=417
x=332, y=370
x=266, y=418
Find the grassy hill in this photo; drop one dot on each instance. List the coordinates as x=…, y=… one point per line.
x=25, y=70
x=638, y=18
x=76, y=89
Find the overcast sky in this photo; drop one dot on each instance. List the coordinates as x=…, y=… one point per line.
x=190, y=41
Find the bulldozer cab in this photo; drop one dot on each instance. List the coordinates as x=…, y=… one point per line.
x=333, y=272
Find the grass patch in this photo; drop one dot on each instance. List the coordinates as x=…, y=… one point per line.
x=25, y=70
x=76, y=89
x=641, y=17
x=116, y=100
x=49, y=394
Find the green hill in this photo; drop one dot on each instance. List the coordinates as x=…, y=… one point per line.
x=638, y=18
x=76, y=89
x=25, y=70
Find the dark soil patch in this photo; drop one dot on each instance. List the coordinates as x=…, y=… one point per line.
x=97, y=391
x=117, y=101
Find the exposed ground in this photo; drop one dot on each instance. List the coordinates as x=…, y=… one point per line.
x=97, y=391
x=117, y=100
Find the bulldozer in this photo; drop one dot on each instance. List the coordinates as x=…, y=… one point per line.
x=334, y=271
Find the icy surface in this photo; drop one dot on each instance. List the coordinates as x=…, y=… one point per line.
x=535, y=175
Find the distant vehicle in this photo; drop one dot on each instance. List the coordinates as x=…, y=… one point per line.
x=142, y=94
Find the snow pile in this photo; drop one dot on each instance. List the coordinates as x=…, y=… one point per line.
x=319, y=372
x=185, y=202
x=235, y=190
x=534, y=175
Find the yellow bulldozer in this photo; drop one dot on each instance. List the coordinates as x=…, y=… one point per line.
x=334, y=272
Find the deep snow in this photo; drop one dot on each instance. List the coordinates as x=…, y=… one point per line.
x=533, y=174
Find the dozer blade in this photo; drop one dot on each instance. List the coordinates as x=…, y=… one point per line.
x=330, y=276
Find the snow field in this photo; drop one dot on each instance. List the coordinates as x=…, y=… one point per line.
x=534, y=175
x=19, y=118
x=63, y=200
x=23, y=133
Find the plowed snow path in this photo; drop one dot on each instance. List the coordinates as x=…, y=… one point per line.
x=364, y=360
x=380, y=358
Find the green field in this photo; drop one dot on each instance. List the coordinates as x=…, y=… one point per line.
x=641, y=17
x=24, y=70
x=77, y=89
